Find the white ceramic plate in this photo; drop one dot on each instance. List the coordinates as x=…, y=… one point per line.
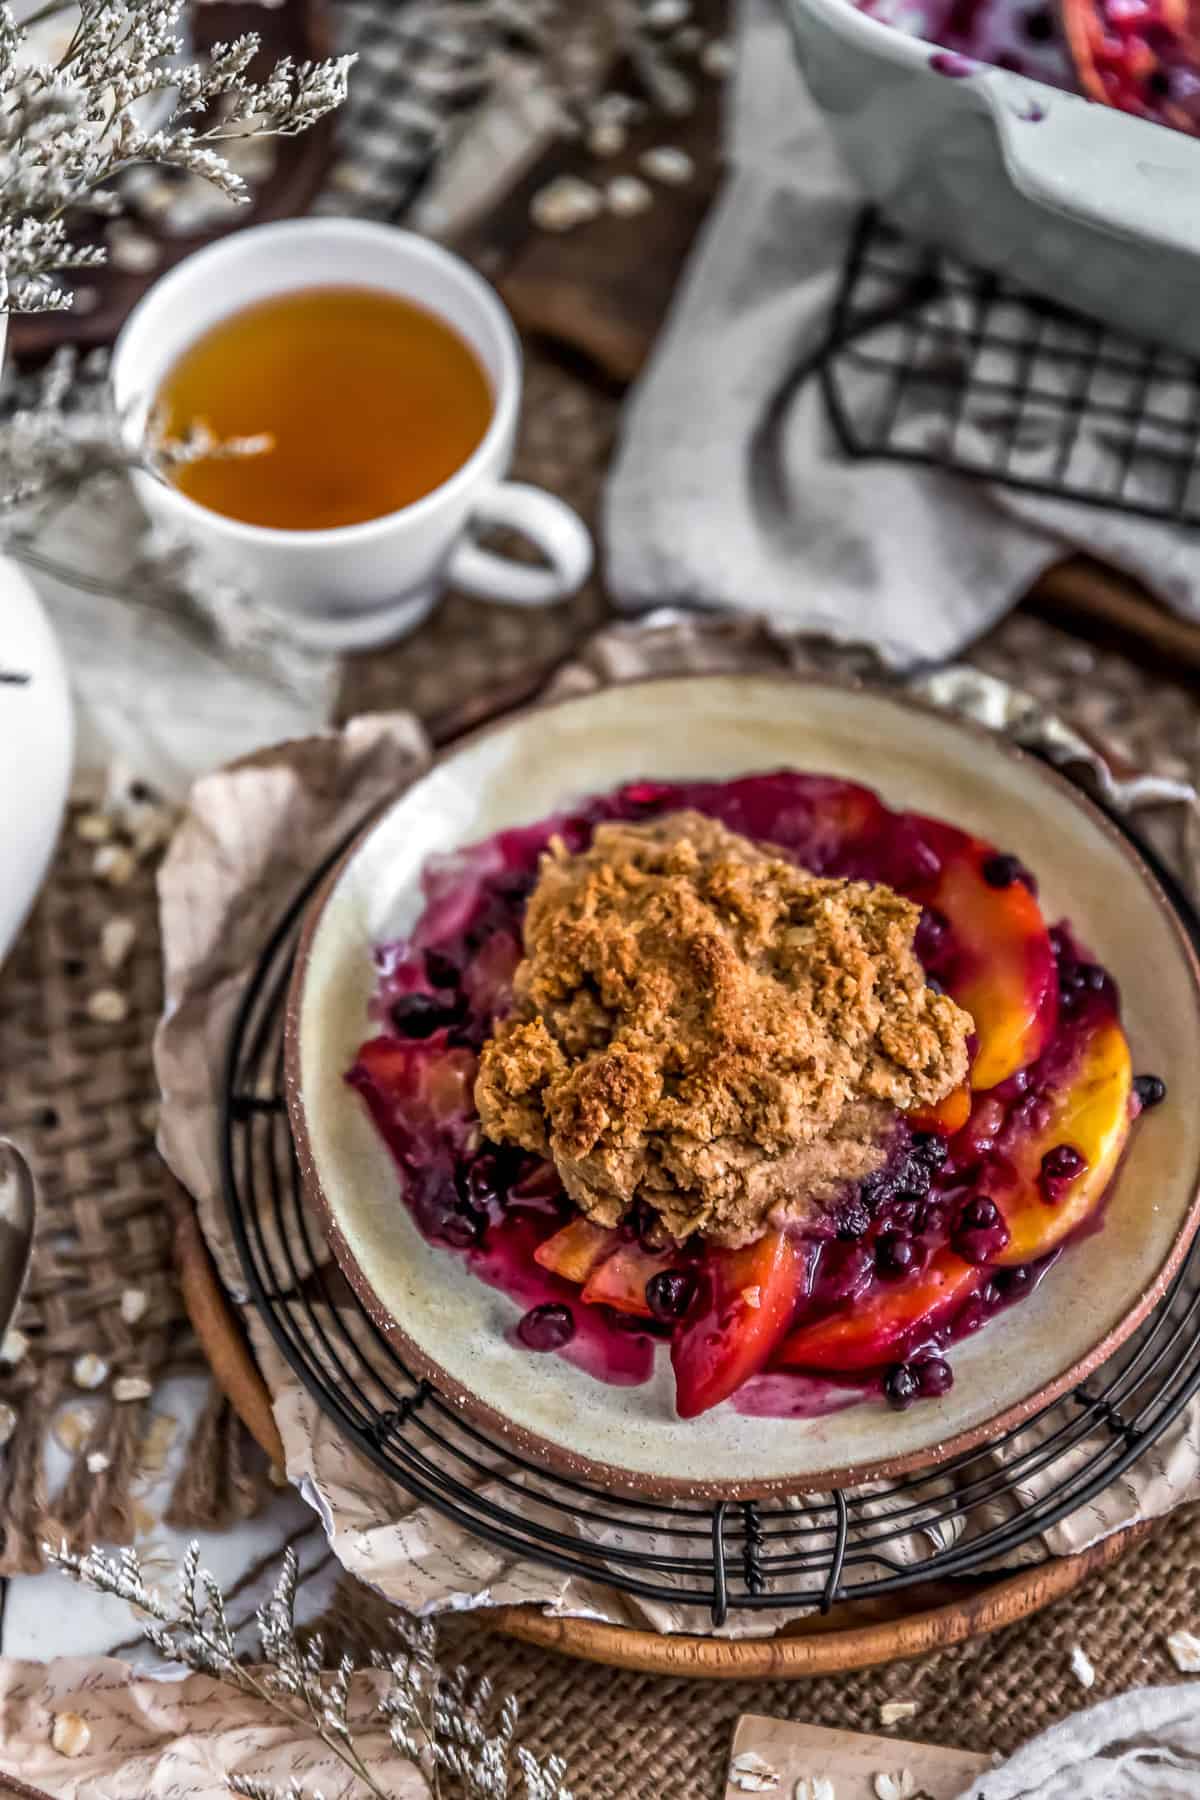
x=36, y=746
x=452, y=1328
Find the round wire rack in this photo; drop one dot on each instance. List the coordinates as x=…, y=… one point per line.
x=968, y=1515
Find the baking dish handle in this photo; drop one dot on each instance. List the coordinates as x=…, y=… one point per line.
x=1121, y=174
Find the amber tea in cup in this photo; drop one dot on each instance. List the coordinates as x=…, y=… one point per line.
x=368, y=401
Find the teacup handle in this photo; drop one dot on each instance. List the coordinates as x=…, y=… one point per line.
x=559, y=533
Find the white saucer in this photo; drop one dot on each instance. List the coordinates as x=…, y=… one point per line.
x=37, y=741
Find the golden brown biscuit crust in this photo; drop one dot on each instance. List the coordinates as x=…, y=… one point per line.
x=703, y=1026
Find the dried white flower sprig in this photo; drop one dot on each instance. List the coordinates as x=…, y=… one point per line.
x=455, y=1730
x=68, y=129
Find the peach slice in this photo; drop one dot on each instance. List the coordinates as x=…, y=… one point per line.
x=874, y=1330
x=1003, y=972
x=948, y=1116
x=620, y=1280
x=575, y=1250
x=1092, y=1113
x=747, y=1300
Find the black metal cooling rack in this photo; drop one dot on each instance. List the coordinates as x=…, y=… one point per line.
x=809, y=1553
x=929, y=361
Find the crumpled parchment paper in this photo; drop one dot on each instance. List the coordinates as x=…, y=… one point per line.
x=252, y=834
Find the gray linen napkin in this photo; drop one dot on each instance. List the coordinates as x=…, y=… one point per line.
x=1144, y=1745
x=729, y=490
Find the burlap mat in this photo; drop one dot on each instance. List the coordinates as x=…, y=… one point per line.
x=76, y=1092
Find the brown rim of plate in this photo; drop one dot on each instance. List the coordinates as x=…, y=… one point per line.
x=664, y=1487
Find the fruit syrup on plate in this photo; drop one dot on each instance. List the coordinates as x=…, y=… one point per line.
x=977, y=1200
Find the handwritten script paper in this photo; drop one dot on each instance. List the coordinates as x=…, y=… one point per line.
x=155, y=1739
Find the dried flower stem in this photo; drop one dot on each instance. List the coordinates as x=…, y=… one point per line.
x=441, y=1722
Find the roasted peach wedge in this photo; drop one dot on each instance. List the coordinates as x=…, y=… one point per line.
x=1001, y=962
x=1090, y=1117
x=876, y=1329
x=745, y=1306
x=575, y=1250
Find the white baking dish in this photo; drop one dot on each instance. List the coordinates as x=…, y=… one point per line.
x=1094, y=207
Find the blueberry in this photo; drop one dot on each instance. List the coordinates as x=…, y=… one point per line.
x=441, y=970
x=934, y=1376
x=933, y=930
x=419, y=1015
x=480, y=1182
x=980, y=1214
x=1151, y=1090
x=1060, y=1167
x=1039, y=25
x=547, y=1327
x=1001, y=871
x=895, y=1255
x=445, y=1218
x=669, y=1293
x=901, y=1386
x=931, y=1148
x=1014, y=1284
x=852, y=1220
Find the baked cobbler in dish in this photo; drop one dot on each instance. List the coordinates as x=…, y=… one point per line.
x=799, y=1087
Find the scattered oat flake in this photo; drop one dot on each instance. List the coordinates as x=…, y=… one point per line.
x=107, y=1006
x=116, y=940
x=564, y=203
x=8, y=1421
x=892, y=1711
x=669, y=164
x=716, y=58
x=70, y=1735
x=130, y=249
x=131, y=1387
x=607, y=138
x=13, y=1347
x=899, y=1786
x=1081, y=1667
x=665, y=15
x=89, y=1370
x=814, y=1787
x=628, y=195
x=73, y=1427
x=144, y=1522
x=115, y=864
x=97, y=1462
x=752, y=1774
x=1184, y=1651
x=133, y=1304
x=93, y=827
x=148, y=1117
x=152, y=1455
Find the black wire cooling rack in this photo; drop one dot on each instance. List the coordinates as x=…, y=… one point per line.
x=929, y=361
x=808, y=1553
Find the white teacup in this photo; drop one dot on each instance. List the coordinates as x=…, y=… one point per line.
x=356, y=585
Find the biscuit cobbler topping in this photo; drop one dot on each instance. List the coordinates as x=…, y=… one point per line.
x=761, y=1074
x=703, y=1026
